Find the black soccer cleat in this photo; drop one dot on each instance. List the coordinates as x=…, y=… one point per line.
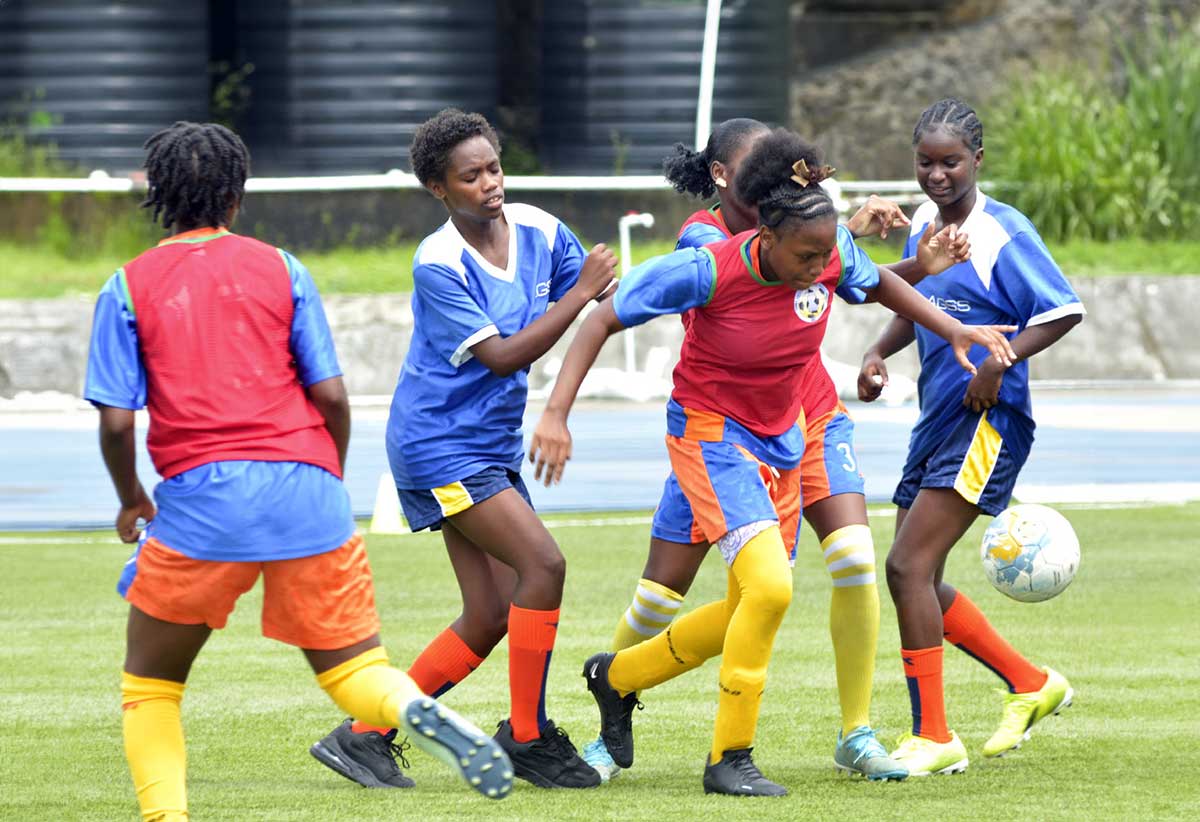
x=737, y=775
x=616, y=711
x=368, y=758
x=550, y=761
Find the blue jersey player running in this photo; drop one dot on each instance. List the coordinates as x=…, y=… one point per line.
x=972, y=438
x=483, y=284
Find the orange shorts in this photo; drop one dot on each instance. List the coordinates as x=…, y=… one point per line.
x=830, y=466
x=322, y=602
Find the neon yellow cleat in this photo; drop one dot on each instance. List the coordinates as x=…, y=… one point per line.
x=924, y=757
x=1023, y=711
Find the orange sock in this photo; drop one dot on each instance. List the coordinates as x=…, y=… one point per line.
x=965, y=627
x=444, y=663
x=530, y=643
x=923, y=670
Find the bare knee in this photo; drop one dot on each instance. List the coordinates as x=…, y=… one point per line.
x=906, y=572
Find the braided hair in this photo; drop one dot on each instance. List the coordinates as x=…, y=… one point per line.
x=688, y=170
x=956, y=117
x=766, y=179
x=196, y=172
x=439, y=135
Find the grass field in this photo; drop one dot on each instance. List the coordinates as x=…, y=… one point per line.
x=1125, y=633
x=37, y=272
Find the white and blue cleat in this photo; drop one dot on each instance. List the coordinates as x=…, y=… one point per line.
x=443, y=734
x=596, y=754
x=861, y=754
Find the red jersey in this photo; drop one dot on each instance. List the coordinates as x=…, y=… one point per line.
x=214, y=318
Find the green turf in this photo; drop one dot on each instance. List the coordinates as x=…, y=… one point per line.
x=1125, y=633
x=37, y=272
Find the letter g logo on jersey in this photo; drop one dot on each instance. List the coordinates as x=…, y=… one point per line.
x=810, y=304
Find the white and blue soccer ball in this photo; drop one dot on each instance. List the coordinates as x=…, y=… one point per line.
x=1030, y=553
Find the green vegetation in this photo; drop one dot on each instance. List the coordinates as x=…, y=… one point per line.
x=1107, y=155
x=40, y=272
x=252, y=707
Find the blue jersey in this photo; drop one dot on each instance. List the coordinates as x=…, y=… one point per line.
x=451, y=417
x=204, y=512
x=1009, y=280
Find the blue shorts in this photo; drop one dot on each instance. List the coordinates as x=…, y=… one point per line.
x=426, y=509
x=974, y=460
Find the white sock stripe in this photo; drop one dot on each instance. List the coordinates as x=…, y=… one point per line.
x=840, y=544
x=851, y=582
x=658, y=599
x=644, y=630
x=652, y=617
x=849, y=561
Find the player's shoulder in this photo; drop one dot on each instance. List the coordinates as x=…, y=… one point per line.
x=444, y=247
x=925, y=214
x=523, y=214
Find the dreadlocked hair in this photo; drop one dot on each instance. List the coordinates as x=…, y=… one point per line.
x=956, y=117
x=437, y=137
x=688, y=170
x=195, y=173
x=765, y=179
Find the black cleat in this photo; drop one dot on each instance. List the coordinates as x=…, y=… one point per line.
x=550, y=761
x=368, y=759
x=616, y=711
x=737, y=775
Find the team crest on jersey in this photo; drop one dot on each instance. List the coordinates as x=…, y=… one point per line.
x=811, y=303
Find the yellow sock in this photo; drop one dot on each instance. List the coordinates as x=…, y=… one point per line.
x=652, y=609
x=853, y=619
x=154, y=746
x=685, y=645
x=369, y=689
x=765, y=584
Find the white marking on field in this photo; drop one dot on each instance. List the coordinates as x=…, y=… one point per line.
x=1122, y=493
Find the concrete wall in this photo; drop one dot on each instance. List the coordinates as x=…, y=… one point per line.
x=1138, y=328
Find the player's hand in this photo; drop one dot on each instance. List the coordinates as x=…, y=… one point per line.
x=877, y=216
x=128, y=516
x=984, y=389
x=872, y=377
x=598, y=271
x=550, y=448
x=990, y=337
x=938, y=251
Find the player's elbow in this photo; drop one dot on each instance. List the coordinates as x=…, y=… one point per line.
x=330, y=397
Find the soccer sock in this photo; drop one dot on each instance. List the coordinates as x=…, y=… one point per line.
x=765, y=583
x=923, y=670
x=686, y=644
x=154, y=746
x=652, y=609
x=853, y=619
x=369, y=689
x=530, y=645
x=965, y=627
x=444, y=663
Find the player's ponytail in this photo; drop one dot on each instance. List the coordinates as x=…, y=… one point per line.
x=688, y=170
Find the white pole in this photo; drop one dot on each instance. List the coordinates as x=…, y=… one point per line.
x=708, y=69
x=623, y=226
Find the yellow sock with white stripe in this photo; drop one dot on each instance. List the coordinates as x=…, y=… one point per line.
x=369, y=689
x=652, y=609
x=853, y=619
x=765, y=584
x=154, y=747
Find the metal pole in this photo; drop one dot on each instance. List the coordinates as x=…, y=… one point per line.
x=708, y=69
x=623, y=226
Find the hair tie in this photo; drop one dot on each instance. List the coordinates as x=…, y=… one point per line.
x=806, y=176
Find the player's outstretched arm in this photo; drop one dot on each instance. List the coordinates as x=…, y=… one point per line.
x=902, y=298
x=120, y=457
x=876, y=216
x=873, y=376
x=550, y=446
x=332, y=402
x=504, y=356
x=983, y=391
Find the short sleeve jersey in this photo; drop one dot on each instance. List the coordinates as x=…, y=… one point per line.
x=451, y=417
x=749, y=338
x=1010, y=279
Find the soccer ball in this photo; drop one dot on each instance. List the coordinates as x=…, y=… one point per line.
x=1030, y=553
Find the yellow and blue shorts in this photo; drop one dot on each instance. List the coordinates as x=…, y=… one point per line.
x=321, y=602
x=830, y=466
x=428, y=508
x=974, y=460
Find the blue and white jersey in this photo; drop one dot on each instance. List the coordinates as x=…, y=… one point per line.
x=451, y=417
x=1009, y=280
